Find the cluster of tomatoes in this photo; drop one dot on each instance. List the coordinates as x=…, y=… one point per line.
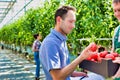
x=98, y=56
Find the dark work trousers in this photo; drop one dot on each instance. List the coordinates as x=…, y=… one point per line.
x=37, y=62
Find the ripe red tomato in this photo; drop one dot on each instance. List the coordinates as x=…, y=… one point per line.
x=93, y=47
x=114, y=54
x=110, y=56
x=93, y=60
x=103, y=54
x=89, y=58
x=95, y=56
x=99, y=59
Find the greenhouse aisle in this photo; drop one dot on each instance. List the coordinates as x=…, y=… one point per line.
x=14, y=67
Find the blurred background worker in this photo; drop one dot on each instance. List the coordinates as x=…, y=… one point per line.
x=35, y=48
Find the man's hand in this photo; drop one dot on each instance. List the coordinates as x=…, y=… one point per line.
x=117, y=75
x=87, y=52
x=78, y=74
x=117, y=60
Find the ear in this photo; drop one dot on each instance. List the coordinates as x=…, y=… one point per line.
x=58, y=19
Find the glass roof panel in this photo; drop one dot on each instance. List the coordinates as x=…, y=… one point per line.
x=7, y=0
x=5, y=6
x=3, y=3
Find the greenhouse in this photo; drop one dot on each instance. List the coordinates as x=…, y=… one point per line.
x=59, y=39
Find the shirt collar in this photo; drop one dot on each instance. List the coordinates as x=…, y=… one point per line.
x=59, y=35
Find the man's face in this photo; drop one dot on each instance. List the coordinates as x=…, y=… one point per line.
x=116, y=9
x=68, y=23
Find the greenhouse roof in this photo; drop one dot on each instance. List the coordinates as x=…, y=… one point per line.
x=5, y=6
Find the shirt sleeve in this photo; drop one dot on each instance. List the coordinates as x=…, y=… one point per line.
x=33, y=46
x=52, y=56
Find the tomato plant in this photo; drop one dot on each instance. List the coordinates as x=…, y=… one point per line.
x=94, y=19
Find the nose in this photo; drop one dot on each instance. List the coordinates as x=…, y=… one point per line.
x=73, y=25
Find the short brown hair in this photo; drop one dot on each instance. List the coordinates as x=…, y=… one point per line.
x=116, y=1
x=36, y=35
x=62, y=11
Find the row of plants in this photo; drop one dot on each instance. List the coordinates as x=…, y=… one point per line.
x=94, y=20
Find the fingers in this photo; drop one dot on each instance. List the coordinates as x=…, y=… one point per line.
x=116, y=61
x=117, y=58
x=89, y=50
x=93, y=47
x=83, y=74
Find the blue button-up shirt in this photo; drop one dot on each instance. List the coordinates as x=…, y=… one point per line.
x=54, y=53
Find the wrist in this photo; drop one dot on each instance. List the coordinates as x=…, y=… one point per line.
x=81, y=58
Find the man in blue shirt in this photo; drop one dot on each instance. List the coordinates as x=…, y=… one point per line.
x=54, y=53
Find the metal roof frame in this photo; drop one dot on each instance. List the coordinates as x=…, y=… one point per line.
x=5, y=6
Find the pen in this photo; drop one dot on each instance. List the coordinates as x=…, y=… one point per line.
x=82, y=77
